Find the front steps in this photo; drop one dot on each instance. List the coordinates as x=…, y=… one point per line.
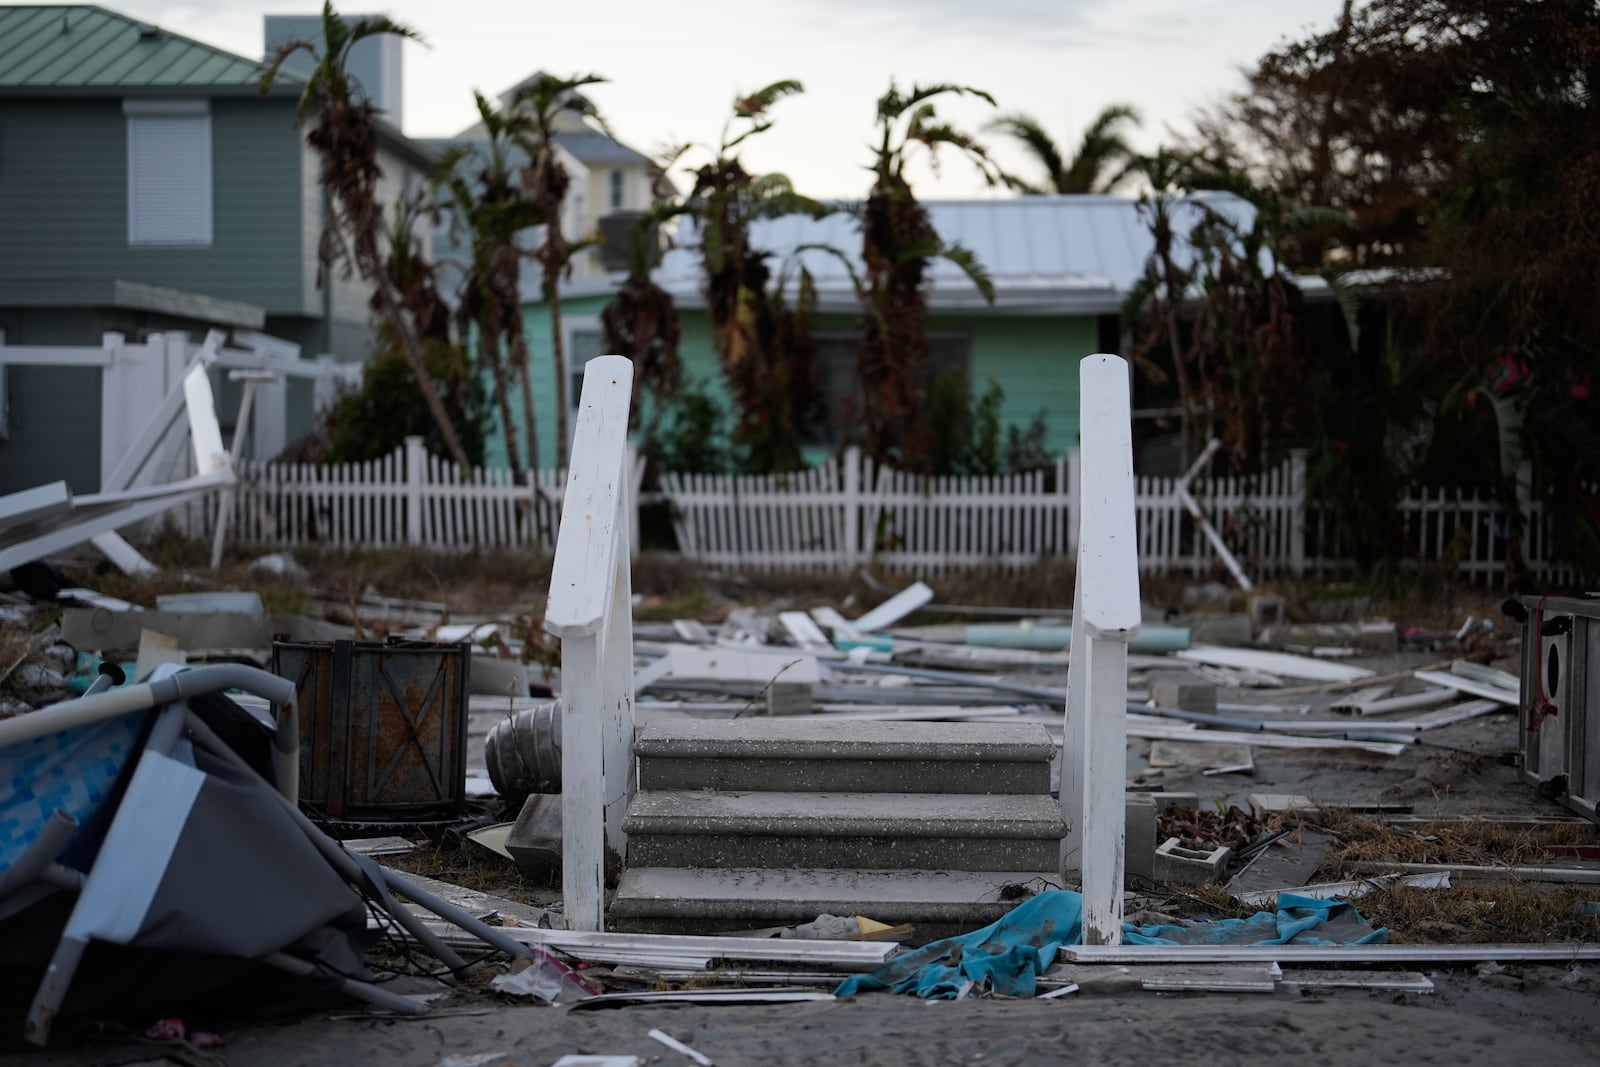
x=764, y=822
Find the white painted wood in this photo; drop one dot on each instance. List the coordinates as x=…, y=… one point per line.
x=1282, y=663
x=590, y=610
x=805, y=633
x=895, y=608
x=1106, y=615
x=1467, y=685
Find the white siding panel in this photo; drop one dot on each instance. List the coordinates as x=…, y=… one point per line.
x=169, y=179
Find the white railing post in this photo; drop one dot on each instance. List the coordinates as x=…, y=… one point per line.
x=416, y=472
x=591, y=611
x=1105, y=616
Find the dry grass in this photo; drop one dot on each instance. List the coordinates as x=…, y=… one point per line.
x=1478, y=843
x=1474, y=914
x=475, y=868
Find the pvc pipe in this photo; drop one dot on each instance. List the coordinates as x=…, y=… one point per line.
x=1057, y=638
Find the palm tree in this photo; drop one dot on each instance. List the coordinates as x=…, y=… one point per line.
x=763, y=358
x=898, y=242
x=641, y=323
x=490, y=202
x=1103, y=159
x=1153, y=307
x=345, y=136
x=539, y=101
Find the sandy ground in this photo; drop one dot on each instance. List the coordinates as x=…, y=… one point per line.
x=1549, y=1015
x=1468, y=1022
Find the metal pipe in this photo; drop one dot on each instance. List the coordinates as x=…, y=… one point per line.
x=331, y=850
x=378, y=998
x=182, y=685
x=36, y=859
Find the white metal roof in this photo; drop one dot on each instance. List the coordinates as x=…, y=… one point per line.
x=1045, y=254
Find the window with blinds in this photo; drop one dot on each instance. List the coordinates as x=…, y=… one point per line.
x=169, y=172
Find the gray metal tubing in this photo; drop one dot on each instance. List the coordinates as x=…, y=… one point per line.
x=182, y=685
x=53, y=989
x=378, y=998
x=167, y=730
x=1038, y=692
x=449, y=912
x=36, y=859
x=331, y=850
x=101, y=683
x=1302, y=729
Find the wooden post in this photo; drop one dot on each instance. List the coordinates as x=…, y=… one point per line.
x=416, y=461
x=1297, y=512
x=1105, y=617
x=590, y=609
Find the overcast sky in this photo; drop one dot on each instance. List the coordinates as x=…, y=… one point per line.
x=674, y=68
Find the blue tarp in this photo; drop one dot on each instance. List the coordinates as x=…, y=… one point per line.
x=1007, y=956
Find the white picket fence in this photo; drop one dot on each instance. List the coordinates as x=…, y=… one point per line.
x=407, y=498
x=851, y=511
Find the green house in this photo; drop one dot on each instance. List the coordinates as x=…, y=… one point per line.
x=1061, y=266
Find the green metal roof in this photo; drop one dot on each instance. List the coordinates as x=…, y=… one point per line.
x=81, y=48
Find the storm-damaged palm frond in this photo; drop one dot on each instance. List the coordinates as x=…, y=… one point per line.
x=343, y=131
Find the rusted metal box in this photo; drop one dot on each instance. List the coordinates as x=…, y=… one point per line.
x=1560, y=713
x=383, y=728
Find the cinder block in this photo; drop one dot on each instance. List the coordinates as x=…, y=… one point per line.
x=1165, y=802
x=789, y=698
x=1139, y=812
x=1185, y=696
x=1266, y=609
x=535, y=840
x=1264, y=804
x=1189, y=866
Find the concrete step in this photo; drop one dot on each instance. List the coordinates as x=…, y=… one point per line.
x=697, y=899
x=818, y=755
x=932, y=831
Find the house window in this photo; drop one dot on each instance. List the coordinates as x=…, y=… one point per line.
x=583, y=344
x=839, y=387
x=169, y=172
x=616, y=190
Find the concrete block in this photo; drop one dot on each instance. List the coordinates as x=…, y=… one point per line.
x=1165, y=802
x=535, y=839
x=1266, y=609
x=1186, y=696
x=1139, y=811
x=1264, y=804
x=1189, y=866
x=789, y=698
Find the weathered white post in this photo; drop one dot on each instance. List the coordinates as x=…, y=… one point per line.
x=591, y=611
x=1105, y=616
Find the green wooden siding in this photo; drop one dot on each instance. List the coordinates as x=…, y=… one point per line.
x=64, y=201
x=579, y=315
x=1034, y=360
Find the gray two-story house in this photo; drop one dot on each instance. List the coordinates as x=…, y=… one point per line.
x=147, y=184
